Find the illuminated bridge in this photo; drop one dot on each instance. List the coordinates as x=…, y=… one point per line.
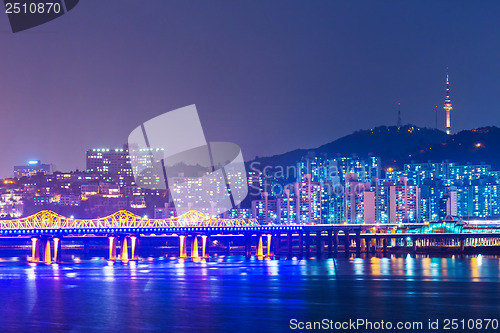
x=194, y=230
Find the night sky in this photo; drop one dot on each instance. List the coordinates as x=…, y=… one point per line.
x=271, y=76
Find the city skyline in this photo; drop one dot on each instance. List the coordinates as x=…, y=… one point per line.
x=317, y=189
x=89, y=99
x=249, y=166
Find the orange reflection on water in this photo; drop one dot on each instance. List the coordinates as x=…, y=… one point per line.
x=375, y=266
x=474, y=269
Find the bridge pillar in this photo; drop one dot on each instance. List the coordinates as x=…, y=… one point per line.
x=289, y=237
x=277, y=243
x=260, y=251
x=134, y=248
x=384, y=242
x=57, y=250
x=268, y=244
x=347, y=243
x=414, y=241
x=194, y=247
x=364, y=245
x=319, y=245
x=112, y=247
x=358, y=242
x=308, y=244
x=248, y=245
x=335, y=243
x=86, y=248
x=329, y=240
x=368, y=243
x=462, y=244
x=228, y=247
x=47, y=253
x=182, y=246
x=301, y=245
x=204, y=247
x=35, y=249
x=124, y=249
x=374, y=244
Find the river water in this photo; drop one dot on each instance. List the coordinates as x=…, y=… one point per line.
x=236, y=295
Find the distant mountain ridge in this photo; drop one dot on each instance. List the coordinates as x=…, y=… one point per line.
x=408, y=143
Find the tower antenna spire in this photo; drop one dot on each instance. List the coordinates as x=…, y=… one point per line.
x=436, y=113
x=399, y=116
x=447, y=104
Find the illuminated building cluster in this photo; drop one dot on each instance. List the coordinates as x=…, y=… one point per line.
x=351, y=192
x=32, y=168
x=104, y=188
x=316, y=190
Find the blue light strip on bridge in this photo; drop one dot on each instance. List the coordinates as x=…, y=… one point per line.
x=105, y=231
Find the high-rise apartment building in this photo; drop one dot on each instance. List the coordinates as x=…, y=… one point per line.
x=359, y=200
x=109, y=161
x=404, y=202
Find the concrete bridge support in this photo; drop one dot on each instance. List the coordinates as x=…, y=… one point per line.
x=124, y=256
x=47, y=253
x=204, y=246
x=276, y=243
x=112, y=247
x=248, y=246
x=301, y=245
x=194, y=247
x=182, y=246
x=228, y=247
x=347, y=243
x=335, y=243
x=57, y=250
x=86, y=248
x=35, y=249
x=330, y=247
x=41, y=249
x=269, y=243
x=358, y=242
x=319, y=245
x=134, y=248
x=308, y=244
x=365, y=245
x=260, y=250
x=384, y=244
x=289, y=238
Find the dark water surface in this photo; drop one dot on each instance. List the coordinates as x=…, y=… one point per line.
x=235, y=295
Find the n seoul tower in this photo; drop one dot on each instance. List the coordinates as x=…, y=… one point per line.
x=447, y=104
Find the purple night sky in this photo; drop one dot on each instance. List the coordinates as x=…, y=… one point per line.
x=271, y=76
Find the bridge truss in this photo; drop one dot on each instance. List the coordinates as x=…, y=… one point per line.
x=121, y=219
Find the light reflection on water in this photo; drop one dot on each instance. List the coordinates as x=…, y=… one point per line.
x=236, y=295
